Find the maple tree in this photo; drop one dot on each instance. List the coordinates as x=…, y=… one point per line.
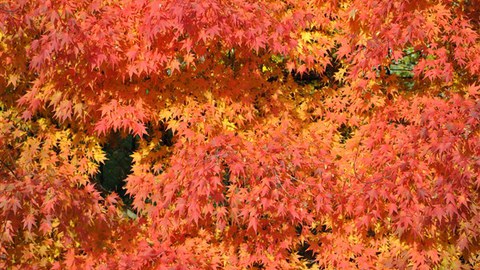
x=267, y=134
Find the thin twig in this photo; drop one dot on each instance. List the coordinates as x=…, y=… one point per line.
x=9, y=169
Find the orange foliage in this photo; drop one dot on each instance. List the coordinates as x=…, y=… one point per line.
x=294, y=144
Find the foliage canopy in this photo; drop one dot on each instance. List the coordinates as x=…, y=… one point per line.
x=268, y=134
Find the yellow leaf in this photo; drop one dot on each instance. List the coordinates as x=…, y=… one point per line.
x=340, y=74
x=228, y=125
x=99, y=156
x=307, y=36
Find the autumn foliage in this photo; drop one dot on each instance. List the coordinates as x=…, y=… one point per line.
x=268, y=134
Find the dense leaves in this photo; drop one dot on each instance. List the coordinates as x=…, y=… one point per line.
x=266, y=134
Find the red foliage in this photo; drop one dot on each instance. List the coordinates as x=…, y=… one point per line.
x=294, y=144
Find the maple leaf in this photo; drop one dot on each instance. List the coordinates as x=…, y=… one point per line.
x=174, y=65
x=290, y=66
x=253, y=223
x=189, y=59
x=132, y=53
x=28, y=222
x=302, y=69
x=473, y=90
x=343, y=51
x=45, y=226
x=13, y=80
